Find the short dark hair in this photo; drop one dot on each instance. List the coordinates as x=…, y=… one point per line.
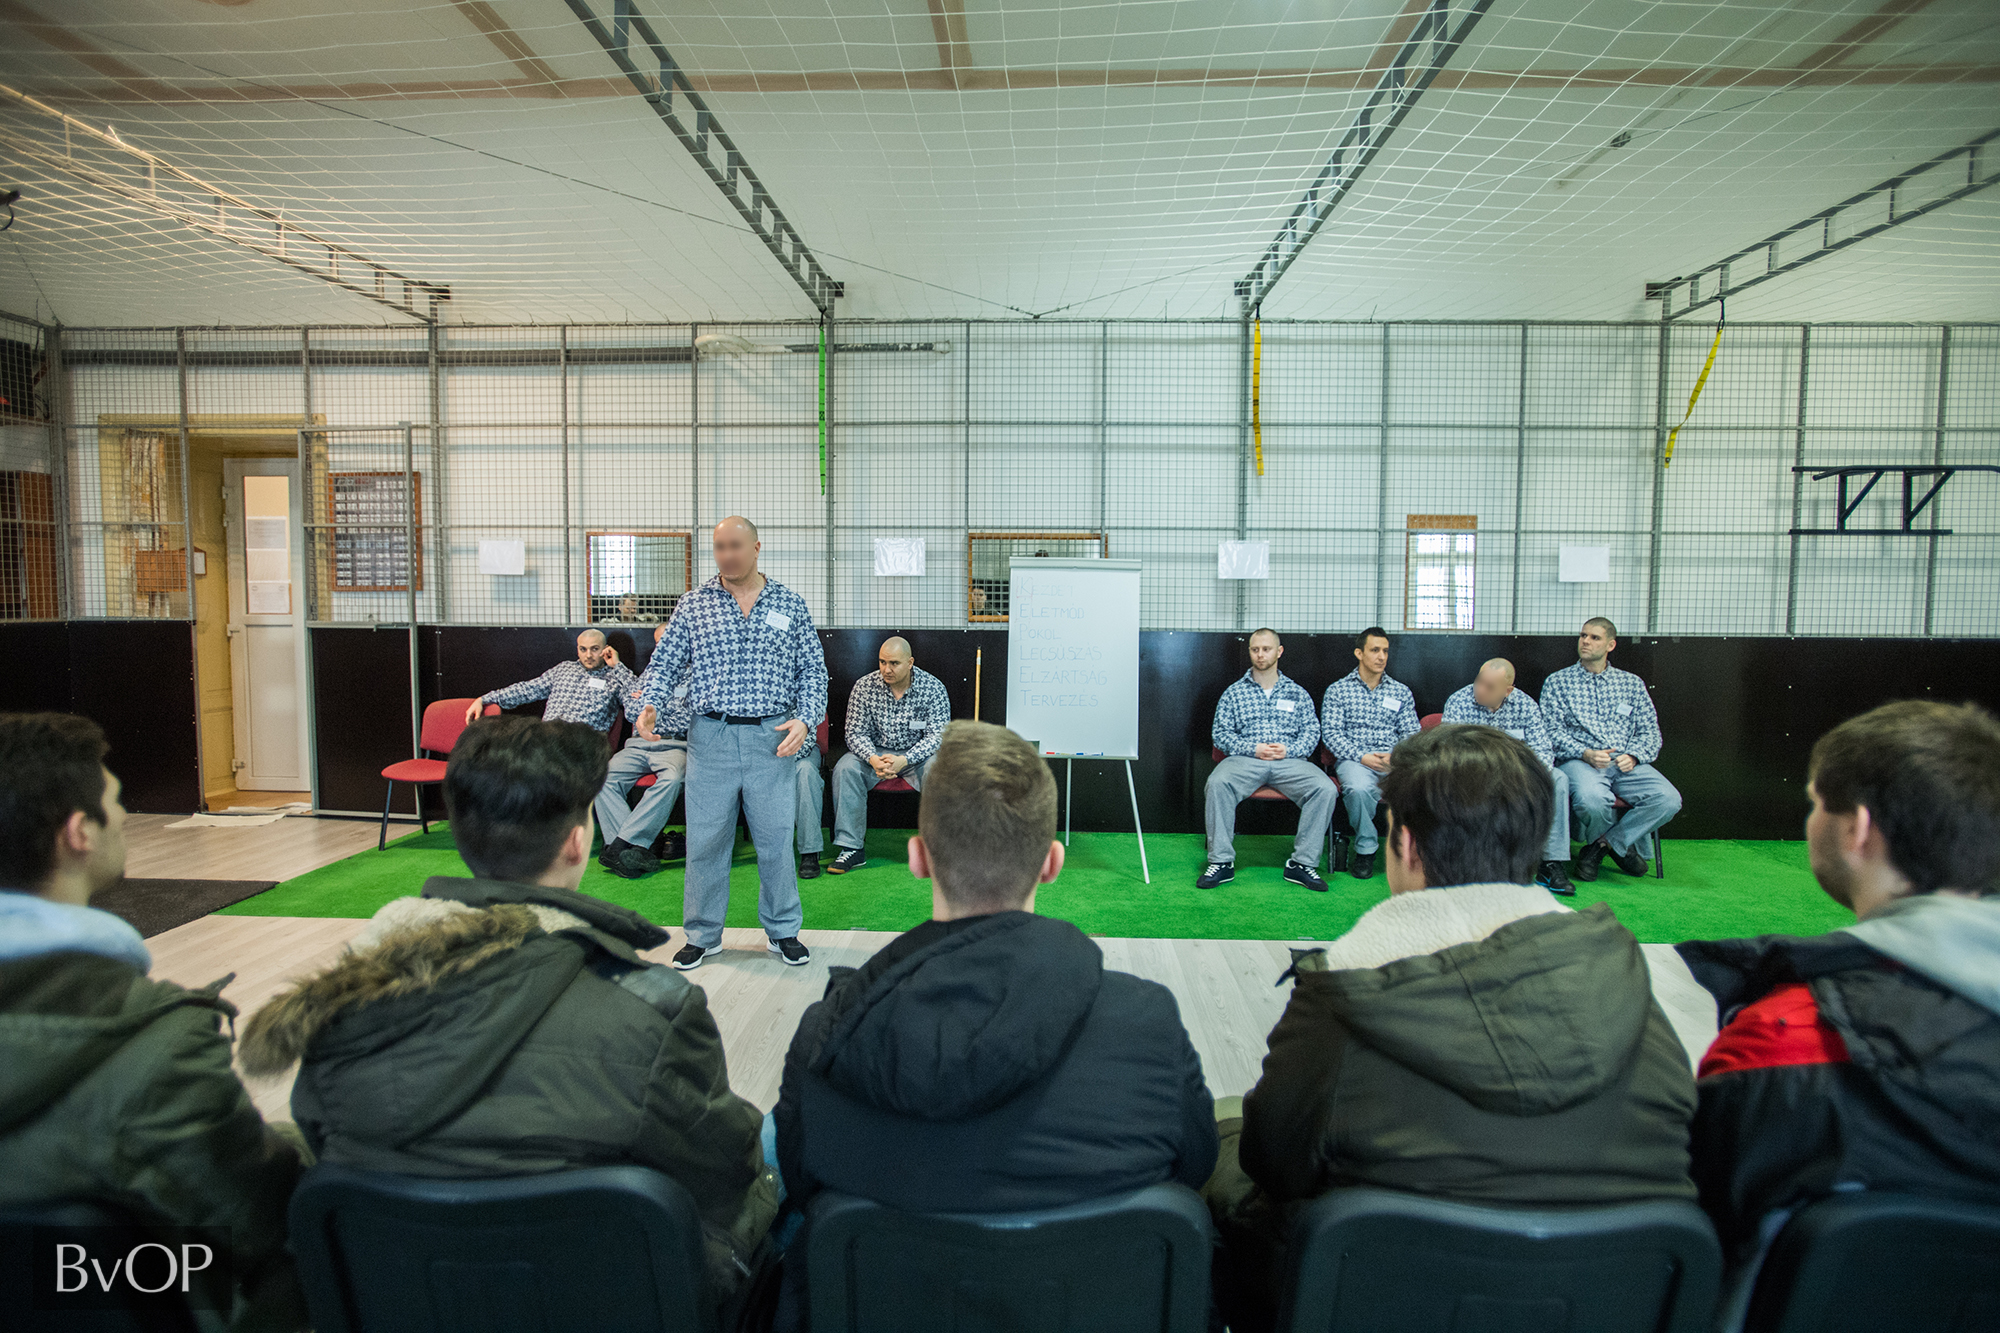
x=988, y=815
x=515, y=787
x=51, y=766
x=1610, y=630
x=1372, y=632
x=1477, y=802
x=1929, y=773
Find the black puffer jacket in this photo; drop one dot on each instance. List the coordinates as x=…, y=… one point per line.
x=1866, y=1058
x=991, y=1064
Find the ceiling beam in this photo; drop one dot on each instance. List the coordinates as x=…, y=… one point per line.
x=1966, y=169
x=705, y=139
x=1431, y=40
x=948, y=26
x=154, y=184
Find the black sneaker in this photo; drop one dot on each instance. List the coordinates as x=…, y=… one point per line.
x=671, y=846
x=1218, y=872
x=1629, y=861
x=608, y=857
x=1555, y=879
x=808, y=865
x=1590, y=858
x=1361, y=864
x=850, y=858
x=634, y=863
x=689, y=958
x=790, y=951
x=1306, y=875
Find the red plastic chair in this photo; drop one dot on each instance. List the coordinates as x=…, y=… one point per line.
x=444, y=723
x=1429, y=720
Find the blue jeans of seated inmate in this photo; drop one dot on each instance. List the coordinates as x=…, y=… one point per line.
x=1558, y=847
x=732, y=767
x=1298, y=779
x=853, y=779
x=1653, y=799
x=641, y=823
x=1360, y=792
x=812, y=804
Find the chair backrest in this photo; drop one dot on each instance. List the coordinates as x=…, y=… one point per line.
x=444, y=723
x=1215, y=754
x=111, y=1237
x=820, y=735
x=1882, y=1261
x=1129, y=1262
x=611, y=1247
x=1404, y=1263
x=1429, y=720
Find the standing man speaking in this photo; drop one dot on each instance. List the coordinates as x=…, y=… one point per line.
x=756, y=689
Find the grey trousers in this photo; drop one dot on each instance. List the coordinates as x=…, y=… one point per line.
x=1300, y=779
x=853, y=779
x=1360, y=792
x=641, y=823
x=1653, y=799
x=731, y=767
x=1558, y=848
x=812, y=804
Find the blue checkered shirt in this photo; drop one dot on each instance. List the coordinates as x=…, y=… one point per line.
x=574, y=693
x=912, y=726
x=1355, y=720
x=746, y=666
x=673, y=716
x=1246, y=717
x=1517, y=715
x=1600, y=710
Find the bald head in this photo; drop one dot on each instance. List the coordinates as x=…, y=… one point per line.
x=590, y=649
x=1494, y=683
x=595, y=636
x=894, y=661
x=736, y=549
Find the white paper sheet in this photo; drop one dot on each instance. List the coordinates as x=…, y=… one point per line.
x=270, y=597
x=899, y=557
x=503, y=557
x=1243, y=560
x=1584, y=564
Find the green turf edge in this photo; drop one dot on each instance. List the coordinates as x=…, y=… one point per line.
x=1713, y=890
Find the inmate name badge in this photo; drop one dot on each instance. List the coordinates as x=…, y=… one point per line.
x=1285, y=706
x=598, y=683
x=1391, y=705
x=777, y=620
x=1624, y=710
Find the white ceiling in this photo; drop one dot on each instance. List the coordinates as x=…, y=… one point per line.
x=1115, y=159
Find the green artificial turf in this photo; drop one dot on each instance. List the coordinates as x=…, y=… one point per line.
x=1713, y=889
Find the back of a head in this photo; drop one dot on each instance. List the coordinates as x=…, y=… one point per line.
x=51, y=766
x=1477, y=801
x=988, y=815
x=515, y=787
x=1929, y=775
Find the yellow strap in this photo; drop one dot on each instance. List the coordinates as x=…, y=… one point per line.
x=1257, y=392
x=1675, y=433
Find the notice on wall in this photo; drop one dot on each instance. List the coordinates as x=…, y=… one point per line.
x=1584, y=564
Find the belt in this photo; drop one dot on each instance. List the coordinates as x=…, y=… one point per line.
x=735, y=721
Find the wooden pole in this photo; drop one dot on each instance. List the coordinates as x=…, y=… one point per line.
x=978, y=675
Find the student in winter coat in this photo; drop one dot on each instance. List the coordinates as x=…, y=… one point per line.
x=1868, y=1058
x=116, y=1089
x=1471, y=1038
x=506, y=1025
x=987, y=1060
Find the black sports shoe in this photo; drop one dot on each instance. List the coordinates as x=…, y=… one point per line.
x=1629, y=861
x=1306, y=875
x=689, y=958
x=671, y=846
x=790, y=951
x=850, y=858
x=1590, y=858
x=1555, y=879
x=1218, y=872
x=808, y=865
x=1361, y=864
x=608, y=856
x=634, y=863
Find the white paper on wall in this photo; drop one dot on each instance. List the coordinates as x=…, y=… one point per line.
x=899, y=557
x=1584, y=564
x=269, y=597
x=503, y=557
x=1243, y=560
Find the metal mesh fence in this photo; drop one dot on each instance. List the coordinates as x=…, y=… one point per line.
x=1499, y=477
